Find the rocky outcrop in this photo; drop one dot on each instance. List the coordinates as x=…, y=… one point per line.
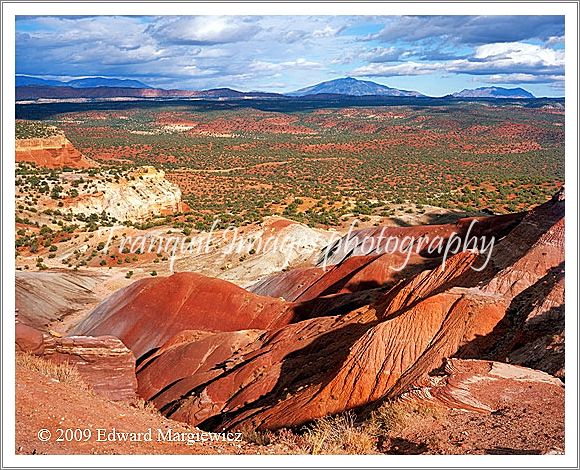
x=162, y=383
x=145, y=192
x=45, y=296
x=379, y=240
x=488, y=386
x=29, y=339
x=327, y=365
x=534, y=325
x=149, y=312
x=247, y=256
x=290, y=285
x=530, y=279
x=373, y=257
x=104, y=363
x=52, y=152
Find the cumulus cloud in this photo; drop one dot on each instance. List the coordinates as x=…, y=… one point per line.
x=520, y=53
x=382, y=54
x=293, y=36
x=301, y=63
x=327, y=32
x=122, y=32
x=393, y=70
x=471, y=29
x=555, y=40
x=519, y=78
x=200, y=30
x=487, y=59
x=308, y=29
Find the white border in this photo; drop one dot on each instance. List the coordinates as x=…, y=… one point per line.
x=571, y=242
x=295, y=9
x=46, y=8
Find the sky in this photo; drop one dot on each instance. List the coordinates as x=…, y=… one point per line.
x=434, y=55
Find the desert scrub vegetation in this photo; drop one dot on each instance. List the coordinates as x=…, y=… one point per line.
x=347, y=433
x=260, y=438
x=34, y=130
x=64, y=372
x=340, y=434
x=394, y=416
x=44, y=216
x=144, y=405
x=317, y=166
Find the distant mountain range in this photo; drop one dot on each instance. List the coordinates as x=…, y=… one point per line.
x=34, y=92
x=493, y=92
x=32, y=88
x=352, y=87
x=91, y=82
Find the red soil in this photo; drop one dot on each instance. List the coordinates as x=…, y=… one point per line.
x=44, y=403
x=64, y=156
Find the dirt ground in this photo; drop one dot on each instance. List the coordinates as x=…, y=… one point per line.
x=44, y=403
x=522, y=428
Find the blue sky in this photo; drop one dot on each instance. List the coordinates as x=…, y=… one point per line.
x=434, y=55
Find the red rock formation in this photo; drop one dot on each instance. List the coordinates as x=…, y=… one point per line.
x=532, y=332
x=104, y=362
x=487, y=386
x=290, y=285
x=163, y=383
x=527, y=271
x=354, y=265
x=50, y=152
x=294, y=356
x=344, y=362
x=307, y=363
x=29, y=339
x=149, y=312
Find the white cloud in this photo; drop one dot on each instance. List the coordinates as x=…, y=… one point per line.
x=198, y=30
x=301, y=63
x=212, y=53
x=406, y=68
x=327, y=32
x=523, y=78
x=489, y=59
x=511, y=53
x=293, y=36
x=555, y=40
x=381, y=54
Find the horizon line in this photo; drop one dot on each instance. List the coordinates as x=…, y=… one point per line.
x=282, y=93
